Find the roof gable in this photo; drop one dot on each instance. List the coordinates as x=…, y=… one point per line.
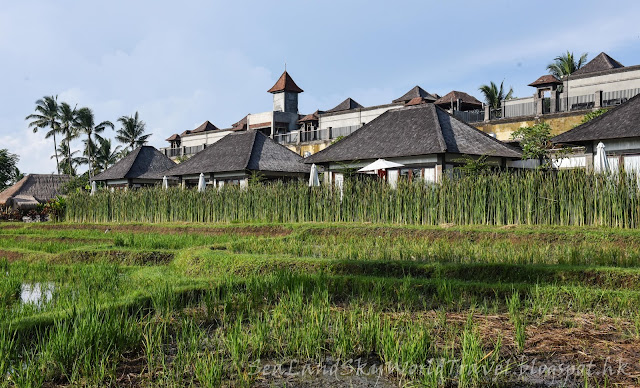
x=205, y=127
x=414, y=92
x=547, y=79
x=600, y=63
x=411, y=131
x=285, y=84
x=454, y=95
x=144, y=162
x=622, y=121
x=347, y=104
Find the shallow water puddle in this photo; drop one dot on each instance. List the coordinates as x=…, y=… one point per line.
x=36, y=293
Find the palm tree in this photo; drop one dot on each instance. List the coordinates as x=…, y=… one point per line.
x=47, y=116
x=86, y=124
x=132, y=132
x=70, y=161
x=105, y=156
x=494, y=96
x=566, y=64
x=68, y=128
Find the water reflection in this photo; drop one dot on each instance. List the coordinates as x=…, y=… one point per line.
x=36, y=293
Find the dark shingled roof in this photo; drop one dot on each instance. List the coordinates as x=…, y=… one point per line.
x=416, y=91
x=285, y=84
x=546, y=80
x=600, y=63
x=205, y=127
x=144, y=162
x=310, y=117
x=347, y=104
x=417, y=101
x=42, y=187
x=620, y=122
x=240, y=125
x=242, y=151
x=175, y=136
x=455, y=95
x=412, y=131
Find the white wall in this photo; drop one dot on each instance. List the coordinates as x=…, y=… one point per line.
x=257, y=118
x=353, y=117
x=607, y=83
x=203, y=138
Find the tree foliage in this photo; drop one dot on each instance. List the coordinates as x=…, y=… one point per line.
x=494, y=95
x=566, y=64
x=46, y=115
x=592, y=115
x=535, y=142
x=132, y=134
x=473, y=166
x=9, y=173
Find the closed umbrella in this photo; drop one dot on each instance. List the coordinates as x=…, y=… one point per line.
x=201, y=183
x=601, y=164
x=94, y=188
x=313, y=177
x=165, y=182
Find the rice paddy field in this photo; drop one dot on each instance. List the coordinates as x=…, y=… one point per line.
x=318, y=304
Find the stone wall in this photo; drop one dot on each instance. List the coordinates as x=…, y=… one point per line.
x=314, y=147
x=559, y=122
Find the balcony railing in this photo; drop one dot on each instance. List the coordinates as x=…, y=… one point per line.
x=305, y=136
x=471, y=116
x=182, y=151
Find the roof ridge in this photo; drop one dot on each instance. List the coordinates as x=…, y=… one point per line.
x=136, y=152
x=478, y=130
x=253, y=144
x=443, y=143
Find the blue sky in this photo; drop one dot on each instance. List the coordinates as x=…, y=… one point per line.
x=181, y=63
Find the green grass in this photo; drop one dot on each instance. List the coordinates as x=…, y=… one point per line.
x=226, y=299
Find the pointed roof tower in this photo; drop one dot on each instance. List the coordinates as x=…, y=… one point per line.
x=416, y=91
x=600, y=63
x=347, y=104
x=285, y=84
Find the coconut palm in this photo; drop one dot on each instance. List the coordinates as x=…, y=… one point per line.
x=566, y=64
x=47, y=116
x=132, y=132
x=105, y=156
x=494, y=96
x=85, y=123
x=69, y=130
x=69, y=161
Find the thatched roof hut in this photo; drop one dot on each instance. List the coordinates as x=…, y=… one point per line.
x=143, y=166
x=236, y=155
x=424, y=138
x=33, y=189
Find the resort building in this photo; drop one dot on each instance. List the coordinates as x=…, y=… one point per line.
x=144, y=166
x=234, y=158
x=602, y=83
x=32, y=190
x=618, y=130
x=424, y=138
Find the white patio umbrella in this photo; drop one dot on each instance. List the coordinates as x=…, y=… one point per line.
x=165, y=182
x=313, y=177
x=201, y=183
x=601, y=164
x=380, y=164
x=94, y=188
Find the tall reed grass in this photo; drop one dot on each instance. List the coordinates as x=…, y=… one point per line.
x=573, y=197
